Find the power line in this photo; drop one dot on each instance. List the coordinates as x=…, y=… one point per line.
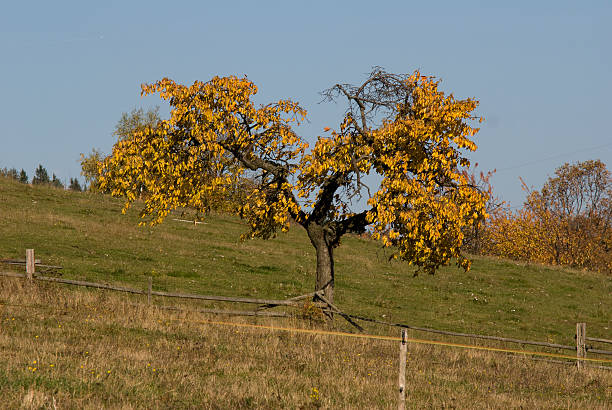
x=537, y=161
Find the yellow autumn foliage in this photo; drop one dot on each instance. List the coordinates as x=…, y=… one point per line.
x=567, y=222
x=216, y=135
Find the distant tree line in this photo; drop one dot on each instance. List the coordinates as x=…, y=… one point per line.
x=567, y=222
x=12, y=173
x=41, y=177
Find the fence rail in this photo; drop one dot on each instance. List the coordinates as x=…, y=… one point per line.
x=157, y=293
x=470, y=335
x=581, y=347
x=226, y=299
x=595, y=339
x=294, y=303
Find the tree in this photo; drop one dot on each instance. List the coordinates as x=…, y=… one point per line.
x=577, y=200
x=474, y=235
x=40, y=176
x=136, y=120
x=401, y=127
x=23, y=177
x=129, y=123
x=9, y=173
x=75, y=185
x=90, y=168
x=56, y=182
x=567, y=222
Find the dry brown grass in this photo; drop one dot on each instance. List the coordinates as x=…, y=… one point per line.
x=73, y=348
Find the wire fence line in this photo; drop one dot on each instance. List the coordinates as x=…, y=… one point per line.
x=470, y=335
x=320, y=332
x=294, y=302
x=397, y=339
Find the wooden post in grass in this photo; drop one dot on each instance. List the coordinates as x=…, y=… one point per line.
x=150, y=289
x=580, y=344
x=402, y=371
x=30, y=263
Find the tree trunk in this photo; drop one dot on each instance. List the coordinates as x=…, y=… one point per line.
x=325, y=272
x=325, y=260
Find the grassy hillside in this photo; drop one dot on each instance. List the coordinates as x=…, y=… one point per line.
x=87, y=235
x=96, y=348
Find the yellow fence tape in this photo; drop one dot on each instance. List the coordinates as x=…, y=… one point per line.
x=394, y=339
x=374, y=337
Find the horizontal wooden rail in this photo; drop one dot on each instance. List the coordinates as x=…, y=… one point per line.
x=228, y=312
x=40, y=265
x=598, y=351
x=164, y=294
x=226, y=299
x=596, y=339
x=448, y=333
x=295, y=299
x=17, y=261
x=23, y=262
x=90, y=284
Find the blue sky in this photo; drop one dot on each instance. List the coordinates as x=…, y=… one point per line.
x=542, y=70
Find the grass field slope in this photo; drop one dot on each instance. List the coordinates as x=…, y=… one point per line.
x=100, y=349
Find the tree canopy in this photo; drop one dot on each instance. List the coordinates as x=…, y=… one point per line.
x=399, y=126
x=567, y=222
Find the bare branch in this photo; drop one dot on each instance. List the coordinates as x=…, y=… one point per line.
x=380, y=94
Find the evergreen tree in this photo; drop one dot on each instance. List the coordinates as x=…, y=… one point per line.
x=56, y=182
x=41, y=176
x=74, y=185
x=23, y=177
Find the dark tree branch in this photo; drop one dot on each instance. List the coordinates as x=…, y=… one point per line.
x=326, y=198
x=354, y=224
x=280, y=173
x=255, y=163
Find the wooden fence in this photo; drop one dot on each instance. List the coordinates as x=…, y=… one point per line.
x=581, y=348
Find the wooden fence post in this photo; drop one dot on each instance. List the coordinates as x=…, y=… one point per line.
x=30, y=263
x=150, y=290
x=580, y=344
x=402, y=372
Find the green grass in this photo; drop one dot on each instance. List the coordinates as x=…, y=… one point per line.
x=71, y=347
x=87, y=235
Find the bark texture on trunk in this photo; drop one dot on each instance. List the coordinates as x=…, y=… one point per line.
x=324, y=247
x=325, y=272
